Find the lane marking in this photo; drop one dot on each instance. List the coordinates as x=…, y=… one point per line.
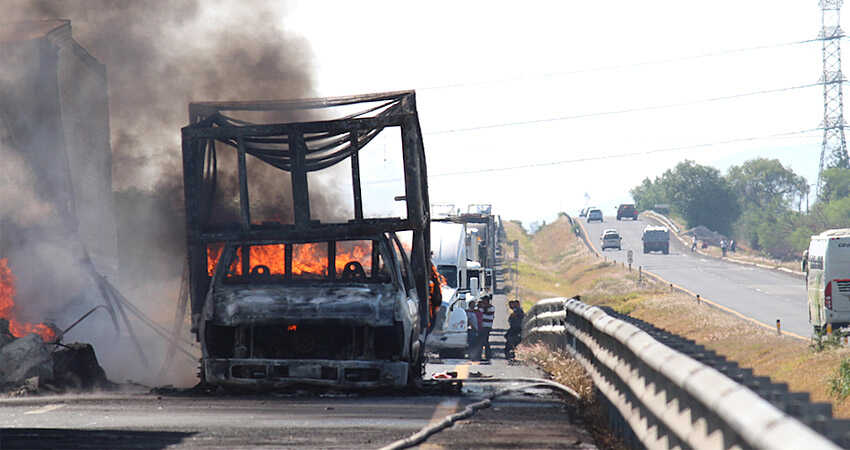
x=45, y=409
x=727, y=309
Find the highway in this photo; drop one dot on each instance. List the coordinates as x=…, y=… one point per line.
x=761, y=294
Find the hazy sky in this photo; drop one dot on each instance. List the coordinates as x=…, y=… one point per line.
x=484, y=65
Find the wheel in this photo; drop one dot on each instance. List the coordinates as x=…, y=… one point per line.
x=666, y=250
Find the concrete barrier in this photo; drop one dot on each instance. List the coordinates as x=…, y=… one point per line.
x=664, y=391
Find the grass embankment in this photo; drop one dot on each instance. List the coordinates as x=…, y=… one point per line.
x=555, y=263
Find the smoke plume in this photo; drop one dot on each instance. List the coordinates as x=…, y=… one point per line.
x=160, y=55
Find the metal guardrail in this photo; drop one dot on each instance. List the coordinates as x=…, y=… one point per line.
x=664, y=392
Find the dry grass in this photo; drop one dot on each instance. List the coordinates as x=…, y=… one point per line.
x=554, y=262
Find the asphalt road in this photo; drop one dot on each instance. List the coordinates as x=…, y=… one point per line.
x=761, y=294
x=136, y=418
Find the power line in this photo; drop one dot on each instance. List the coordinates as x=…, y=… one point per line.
x=613, y=156
x=617, y=67
x=621, y=111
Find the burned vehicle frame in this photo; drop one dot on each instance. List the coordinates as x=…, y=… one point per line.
x=346, y=321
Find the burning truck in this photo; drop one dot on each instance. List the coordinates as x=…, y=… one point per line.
x=280, y=297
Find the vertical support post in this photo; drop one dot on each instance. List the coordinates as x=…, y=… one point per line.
x=332, y=260
x=287, y=261
x=193, y=170
x=244, y=210
x=355, y=177
x=300, y=193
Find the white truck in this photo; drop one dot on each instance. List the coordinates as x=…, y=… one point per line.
x=828, y=279
x=448, y=253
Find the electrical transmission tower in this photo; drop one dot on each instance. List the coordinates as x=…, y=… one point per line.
x=834, y=149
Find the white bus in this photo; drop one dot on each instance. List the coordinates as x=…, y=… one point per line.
x=828, y=279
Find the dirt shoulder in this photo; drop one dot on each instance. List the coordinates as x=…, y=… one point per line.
x=554, y=263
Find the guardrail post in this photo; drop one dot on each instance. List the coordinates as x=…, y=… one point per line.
x=640, y=274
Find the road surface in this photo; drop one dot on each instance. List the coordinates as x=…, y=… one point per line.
x=761, y=294
x=137, y=418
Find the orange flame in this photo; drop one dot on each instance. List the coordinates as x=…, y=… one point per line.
x=440, y=277
x=7, y=305
x=307, y=259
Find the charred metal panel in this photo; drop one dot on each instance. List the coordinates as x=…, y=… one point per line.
x=271, y=373
x=251, y=305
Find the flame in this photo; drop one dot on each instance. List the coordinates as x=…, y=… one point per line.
x=440, y=277
x=7, y=305
x=307, y=259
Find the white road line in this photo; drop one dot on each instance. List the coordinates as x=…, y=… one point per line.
x=45, y=409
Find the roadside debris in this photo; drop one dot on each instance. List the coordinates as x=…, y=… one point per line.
x=29, y=365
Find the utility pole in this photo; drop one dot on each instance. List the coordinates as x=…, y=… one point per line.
x=834, y=150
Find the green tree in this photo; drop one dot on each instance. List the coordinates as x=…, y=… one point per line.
x=702, y=196
x=835, y=184
x=761, y=182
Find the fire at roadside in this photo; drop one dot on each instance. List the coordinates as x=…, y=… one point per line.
x=33, y=358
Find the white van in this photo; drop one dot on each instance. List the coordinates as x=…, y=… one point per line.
x=828, y=280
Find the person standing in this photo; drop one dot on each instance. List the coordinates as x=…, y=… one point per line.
x=488, y=313
x=514, y=335
x=472, y=332
x=723, y=247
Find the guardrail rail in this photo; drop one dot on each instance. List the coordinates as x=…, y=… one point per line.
x=663, y=391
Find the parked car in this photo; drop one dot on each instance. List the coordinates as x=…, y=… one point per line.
x=627, y=211
x=594, y=214
x=656, y=239
x=611, y=239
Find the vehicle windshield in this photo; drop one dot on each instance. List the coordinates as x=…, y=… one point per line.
x=349, y=261
x=611, y=235
x=656, y=234
x=450, y=273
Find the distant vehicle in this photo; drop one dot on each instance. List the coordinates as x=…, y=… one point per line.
x=656, y=239
x=627, y=211
x=594, y=214
x=611, y=239
x=828, y=278
x=448, y=252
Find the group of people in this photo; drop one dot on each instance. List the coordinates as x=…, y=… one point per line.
x=724, y=245
x=480, y=317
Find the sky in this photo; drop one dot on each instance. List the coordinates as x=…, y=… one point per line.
x=499, y=84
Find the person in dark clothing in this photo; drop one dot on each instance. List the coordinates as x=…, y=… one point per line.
x=514, y=335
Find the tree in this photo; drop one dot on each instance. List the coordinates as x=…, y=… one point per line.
x=761, y=182
x=835, y=184
x=701, y=196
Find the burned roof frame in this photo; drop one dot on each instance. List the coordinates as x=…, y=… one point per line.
x=299, y=148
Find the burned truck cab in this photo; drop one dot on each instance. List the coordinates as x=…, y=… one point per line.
x=301, y=300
